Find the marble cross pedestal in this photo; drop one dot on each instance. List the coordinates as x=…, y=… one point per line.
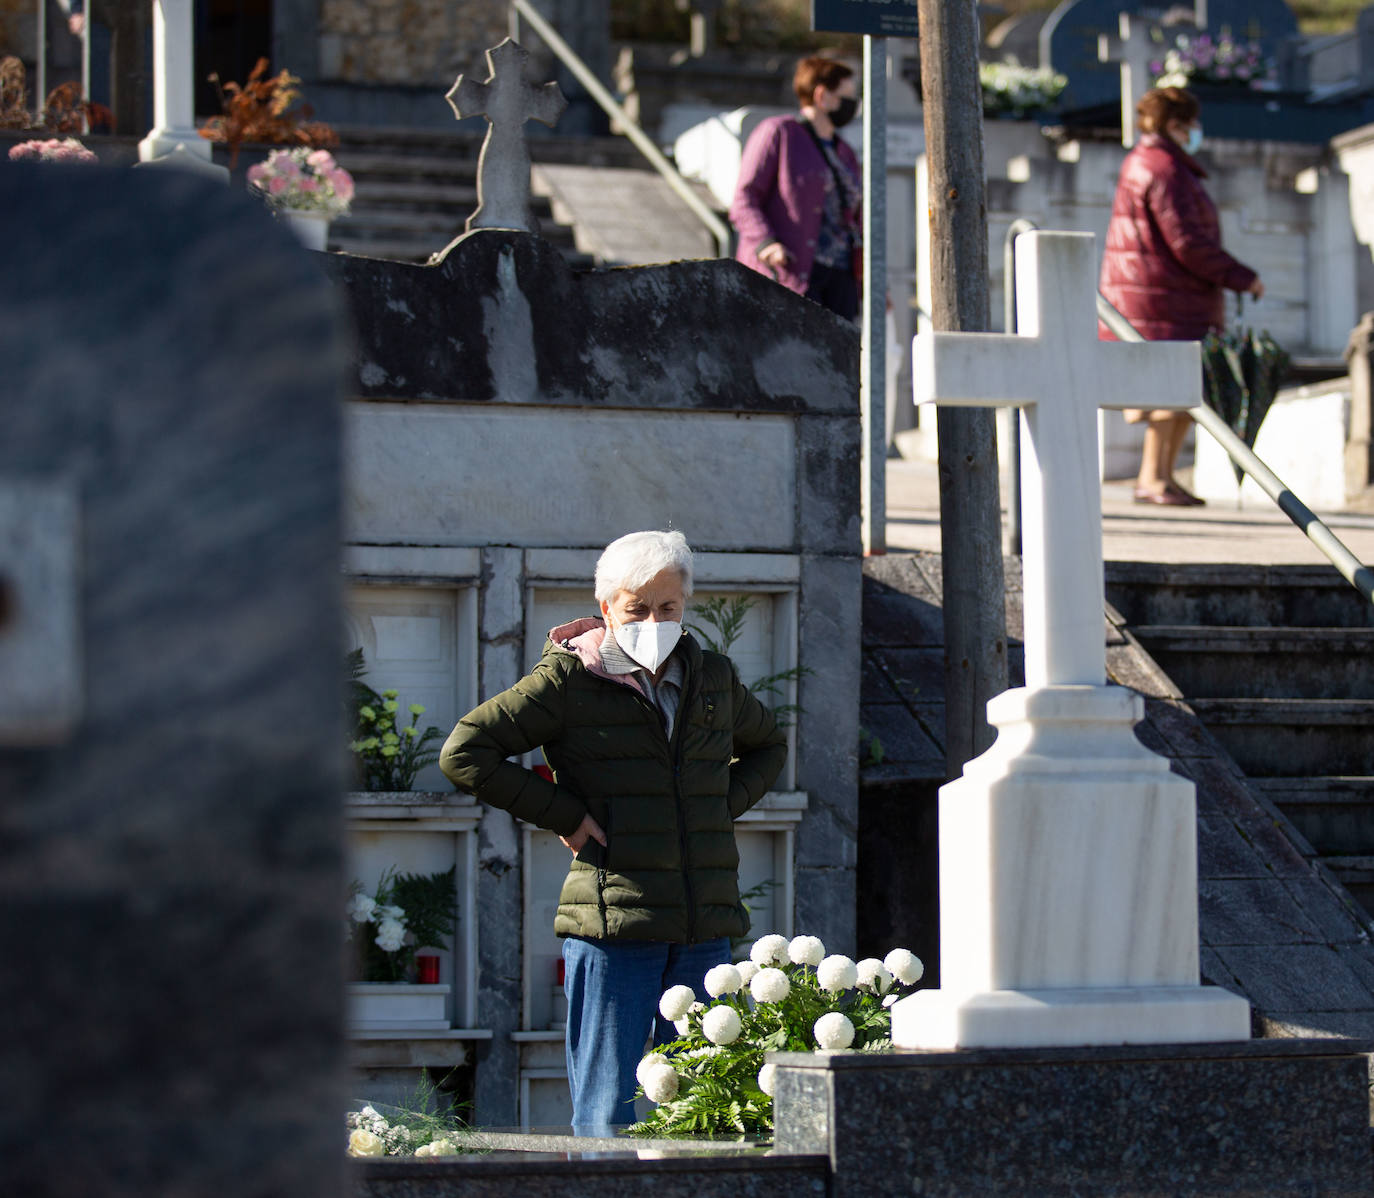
x=1068, y=878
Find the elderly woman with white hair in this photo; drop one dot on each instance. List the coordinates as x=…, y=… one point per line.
x=656, y=748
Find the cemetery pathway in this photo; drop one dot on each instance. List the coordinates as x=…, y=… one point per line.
x=1132, y=532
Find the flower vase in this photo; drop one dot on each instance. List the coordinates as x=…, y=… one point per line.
x=311, y=227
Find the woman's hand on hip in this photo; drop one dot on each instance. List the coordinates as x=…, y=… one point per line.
x=588, y=829
x=774, y=255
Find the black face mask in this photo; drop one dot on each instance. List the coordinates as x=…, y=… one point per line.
x=844, y=113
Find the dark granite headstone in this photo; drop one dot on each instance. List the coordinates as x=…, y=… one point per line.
x=1068, y=40
x=170, y=862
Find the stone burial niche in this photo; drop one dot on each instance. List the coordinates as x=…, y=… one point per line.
x=508, y=418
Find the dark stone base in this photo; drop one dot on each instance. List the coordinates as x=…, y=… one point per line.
x=1264, y=1117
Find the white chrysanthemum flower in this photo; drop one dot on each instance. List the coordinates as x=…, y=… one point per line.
x=874, y=975
x=837, y=973
x=770, y=985
x=363, y=1143
x=362, y=908
x=660, y=1083
x=834, y=1031
x=391, y=933
x=747, y=970
x=806, y=950
x=769, y=950
x=722, y=979
x=721, y=1025
x=683, y=1025
x=904, y=965
x=675, y=1002
x=766, y=1075
x=654, y=1058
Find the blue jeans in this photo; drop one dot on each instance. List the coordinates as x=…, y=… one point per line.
x=613, y=988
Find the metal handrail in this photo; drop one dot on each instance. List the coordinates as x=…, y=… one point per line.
x=612, y=108
x=1358, y=575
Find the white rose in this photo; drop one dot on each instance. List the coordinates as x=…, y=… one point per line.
x=766, y=1075
x=660, y=1083
x=747, y=970
x=721, y=1025
x=904, y=965
x=654, y=1058
x=834, y=1031
x=874, y=975
x=770, y=985
x=683, y=1026
x=362, y=908
x=423, y=1150
x=806, y=950
x=837, y=973
x=440, y=1148
x=364, y=1143
x=675, y=1002
x=769, y=950
x=390, y=935
x=722, y=979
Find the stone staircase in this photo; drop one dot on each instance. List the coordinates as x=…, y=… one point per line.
x=415, y=189
x=1278, y=664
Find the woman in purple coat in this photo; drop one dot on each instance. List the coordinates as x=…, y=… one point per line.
x=1164, y=269
x=797, y=203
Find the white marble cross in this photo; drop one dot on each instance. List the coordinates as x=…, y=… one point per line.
x=1133, y=49
x=503, y=168
x=173, y=138
x=1057, y=371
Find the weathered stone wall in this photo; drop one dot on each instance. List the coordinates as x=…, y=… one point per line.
x=408, y=42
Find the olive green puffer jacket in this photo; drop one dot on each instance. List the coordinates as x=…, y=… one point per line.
x=669, y=868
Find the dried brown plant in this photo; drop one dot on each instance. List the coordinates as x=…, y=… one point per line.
x=260, y=110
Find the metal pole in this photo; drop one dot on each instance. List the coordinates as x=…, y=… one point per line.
x=584, y=75
x=1011, y=534
x=1355, y=572
x=970, y=519
x=40, y=81
x=873, y=368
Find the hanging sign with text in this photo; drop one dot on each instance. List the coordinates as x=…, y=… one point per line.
x=877, y=18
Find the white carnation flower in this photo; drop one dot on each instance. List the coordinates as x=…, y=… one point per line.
x=721, y=1025
x=769, y=950
x=889, y=1000
x=723, y=979
x=747, y=970
x=766, y=1075
x=369, y=1112
x=362, y=908
x=675, y=1002
x=837, y=973
x=683, y=1025
x=806, y=950
x=874, y=975
x=363, y=1143
x=654, y=1058
x=660, y=1083
x=770, y=985
x=834, y=1031
x=391, y=933
x=904, y=965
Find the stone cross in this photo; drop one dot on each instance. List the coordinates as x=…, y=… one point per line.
x=503, y=168
x=1068, y=896
x=174, y=122
x=1133, y=49
x=1057, y=371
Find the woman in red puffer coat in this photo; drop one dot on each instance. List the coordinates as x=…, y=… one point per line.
x=1164, y=268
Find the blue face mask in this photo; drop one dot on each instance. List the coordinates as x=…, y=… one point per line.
x=1194, y=142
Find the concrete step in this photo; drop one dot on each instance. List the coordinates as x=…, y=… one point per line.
x=406, y=167
x=1231, y=596
x=415, y=193
x=1293, y=738
x=1335, y=814
x=1264, y=663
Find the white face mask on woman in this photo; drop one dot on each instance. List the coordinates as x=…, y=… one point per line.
x=648, y=643
x=1194, y=142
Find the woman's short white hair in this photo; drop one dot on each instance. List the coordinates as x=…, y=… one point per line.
x=628, y=563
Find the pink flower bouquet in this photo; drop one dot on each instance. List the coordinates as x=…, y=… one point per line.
x=53, y=150
x=303, y=180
